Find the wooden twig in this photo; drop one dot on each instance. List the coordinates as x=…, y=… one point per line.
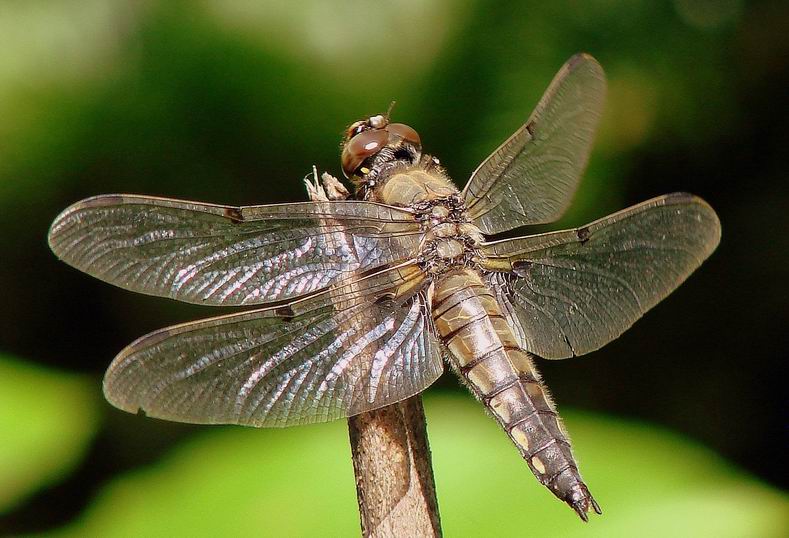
x=391, y=457
x=394, y=475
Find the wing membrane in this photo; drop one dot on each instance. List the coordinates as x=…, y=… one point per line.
x=351, y=349
x=568, y=293
x=531, y=177
x=223, y=255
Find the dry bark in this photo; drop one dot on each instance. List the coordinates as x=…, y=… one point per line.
x=394, y=476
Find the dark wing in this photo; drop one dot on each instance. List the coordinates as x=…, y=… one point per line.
x=221, y=255
x=348, y=350
x=532, y=176
x=570, y=292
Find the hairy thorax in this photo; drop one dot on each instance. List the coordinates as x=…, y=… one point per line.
x=450, y=240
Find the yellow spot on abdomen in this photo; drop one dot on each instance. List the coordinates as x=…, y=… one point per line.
x=521, y=438
x=538, y=465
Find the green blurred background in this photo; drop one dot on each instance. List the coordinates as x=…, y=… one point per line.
x=680, y=425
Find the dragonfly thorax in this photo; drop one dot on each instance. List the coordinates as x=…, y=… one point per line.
x=450, y=240
x=414, y=187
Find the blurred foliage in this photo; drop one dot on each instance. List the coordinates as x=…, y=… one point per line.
x=233, y=101
x=47, y=420
x=300, y=483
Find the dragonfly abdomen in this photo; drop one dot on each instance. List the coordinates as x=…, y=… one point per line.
x=501, y=374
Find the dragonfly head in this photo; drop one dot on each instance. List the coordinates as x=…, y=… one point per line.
x=371, y=143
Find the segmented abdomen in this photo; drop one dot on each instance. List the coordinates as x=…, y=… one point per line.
x=501, y=374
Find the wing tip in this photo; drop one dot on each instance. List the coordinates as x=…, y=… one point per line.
x=584, y=59
x=99, y=200
x=581, y=57
x=115, y=399
x=712, y=225
x=52, y=234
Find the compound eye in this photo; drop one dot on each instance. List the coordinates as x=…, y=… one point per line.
x=354, y=129
x=405, y=132
x=361, y=147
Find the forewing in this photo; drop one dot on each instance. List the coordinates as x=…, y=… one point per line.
x=223, y=255
x=342, y=352
x=532, y=176
x=568, y=293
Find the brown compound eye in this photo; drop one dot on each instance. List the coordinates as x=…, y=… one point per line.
x=354, y=129
x=405, y=132
x=361, y=147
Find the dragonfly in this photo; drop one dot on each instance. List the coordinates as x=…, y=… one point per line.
x=360, y=300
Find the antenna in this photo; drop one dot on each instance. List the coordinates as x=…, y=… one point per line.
x=389, y=110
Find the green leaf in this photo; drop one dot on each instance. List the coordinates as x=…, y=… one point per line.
x=236, y=482
x=648, y=481
x=47, y=419
x=299, y=482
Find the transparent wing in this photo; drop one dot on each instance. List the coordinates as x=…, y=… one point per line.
x=345, y=351
x=532, y=176
x=222, y=255
x=570, y=292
